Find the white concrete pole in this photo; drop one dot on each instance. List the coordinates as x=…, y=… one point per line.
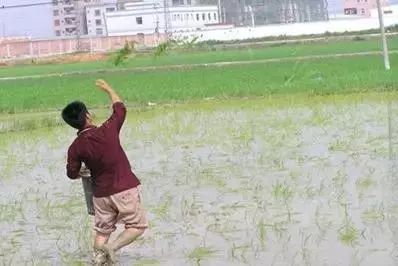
x=383, y=37
x=219, y=12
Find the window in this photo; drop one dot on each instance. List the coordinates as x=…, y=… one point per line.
x=178, y=2
x=98, y=22
x=209, y=16
x=98, y=12
x=363, y=11
x=388, y=12
x=197, y=17
x=68, y=10
x=215, y=16
x=57, y=33
x=70, y=21
x=203, y=16
x=138, y=20
x=189, y=2
x=56, y=22
x=99, y=31
x=186, y=17
x=110, y=9
x=56, y=12
x=350, y=11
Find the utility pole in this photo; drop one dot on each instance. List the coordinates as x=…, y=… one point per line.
x=219, y=11
x=252, y=16
x=167, y=20
x=383, y=37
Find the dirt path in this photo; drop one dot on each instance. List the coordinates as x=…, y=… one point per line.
x=191, y=66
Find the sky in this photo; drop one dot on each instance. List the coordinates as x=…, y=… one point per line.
x=37, y=21
x=29, y=21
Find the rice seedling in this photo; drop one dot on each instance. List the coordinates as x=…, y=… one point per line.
x=261, y=232
x=162, y=210
x=282, y=191
x=374, y=214
x=349, y=235
x=200, y=253
x=148, y=262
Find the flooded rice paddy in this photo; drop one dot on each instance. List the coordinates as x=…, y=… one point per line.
x=233, y=183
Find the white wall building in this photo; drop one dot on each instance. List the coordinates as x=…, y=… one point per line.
x=147, y=18
x=388, y=11
x=95, y=19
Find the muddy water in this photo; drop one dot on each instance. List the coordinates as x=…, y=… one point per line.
x=240, y=183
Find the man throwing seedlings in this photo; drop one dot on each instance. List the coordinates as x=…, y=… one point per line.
x=116, y=189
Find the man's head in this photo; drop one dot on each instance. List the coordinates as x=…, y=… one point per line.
x=76, y=115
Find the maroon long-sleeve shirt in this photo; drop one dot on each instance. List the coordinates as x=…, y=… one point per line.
x=100, y=150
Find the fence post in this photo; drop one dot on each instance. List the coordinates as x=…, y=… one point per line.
x=8, y=51
x=31, y=48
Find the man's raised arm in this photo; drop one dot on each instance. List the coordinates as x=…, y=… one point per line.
x=119, y=110
x=104, y=86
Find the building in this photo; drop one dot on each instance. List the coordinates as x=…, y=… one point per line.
x=361, y=7
x=95, y=18
x=388, y=11
x=149, y=17
x=69, y=16
x=121, y=3
x=262, y=12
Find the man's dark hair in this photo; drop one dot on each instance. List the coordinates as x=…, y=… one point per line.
x=74, y=114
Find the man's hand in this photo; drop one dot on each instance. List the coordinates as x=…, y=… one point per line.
x=84, y=172
x=104, y=86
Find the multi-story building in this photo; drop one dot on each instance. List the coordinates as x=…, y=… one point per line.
x=95, y=18
x=361, y=7
x=69, y=16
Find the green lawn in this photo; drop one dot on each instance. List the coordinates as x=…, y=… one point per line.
x=220, y=55
x=338, y=75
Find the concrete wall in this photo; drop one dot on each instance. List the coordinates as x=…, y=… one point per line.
x=295, y=29
x=10, y=49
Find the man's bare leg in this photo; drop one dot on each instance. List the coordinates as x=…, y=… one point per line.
x=125, y=238
x=100, y=255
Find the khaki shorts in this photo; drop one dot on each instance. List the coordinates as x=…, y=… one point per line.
x=124, y=207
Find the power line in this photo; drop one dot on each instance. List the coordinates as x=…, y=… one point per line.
x=55, y=2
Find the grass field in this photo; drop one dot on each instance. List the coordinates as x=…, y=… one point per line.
x=209, y=56
x=339, y=75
